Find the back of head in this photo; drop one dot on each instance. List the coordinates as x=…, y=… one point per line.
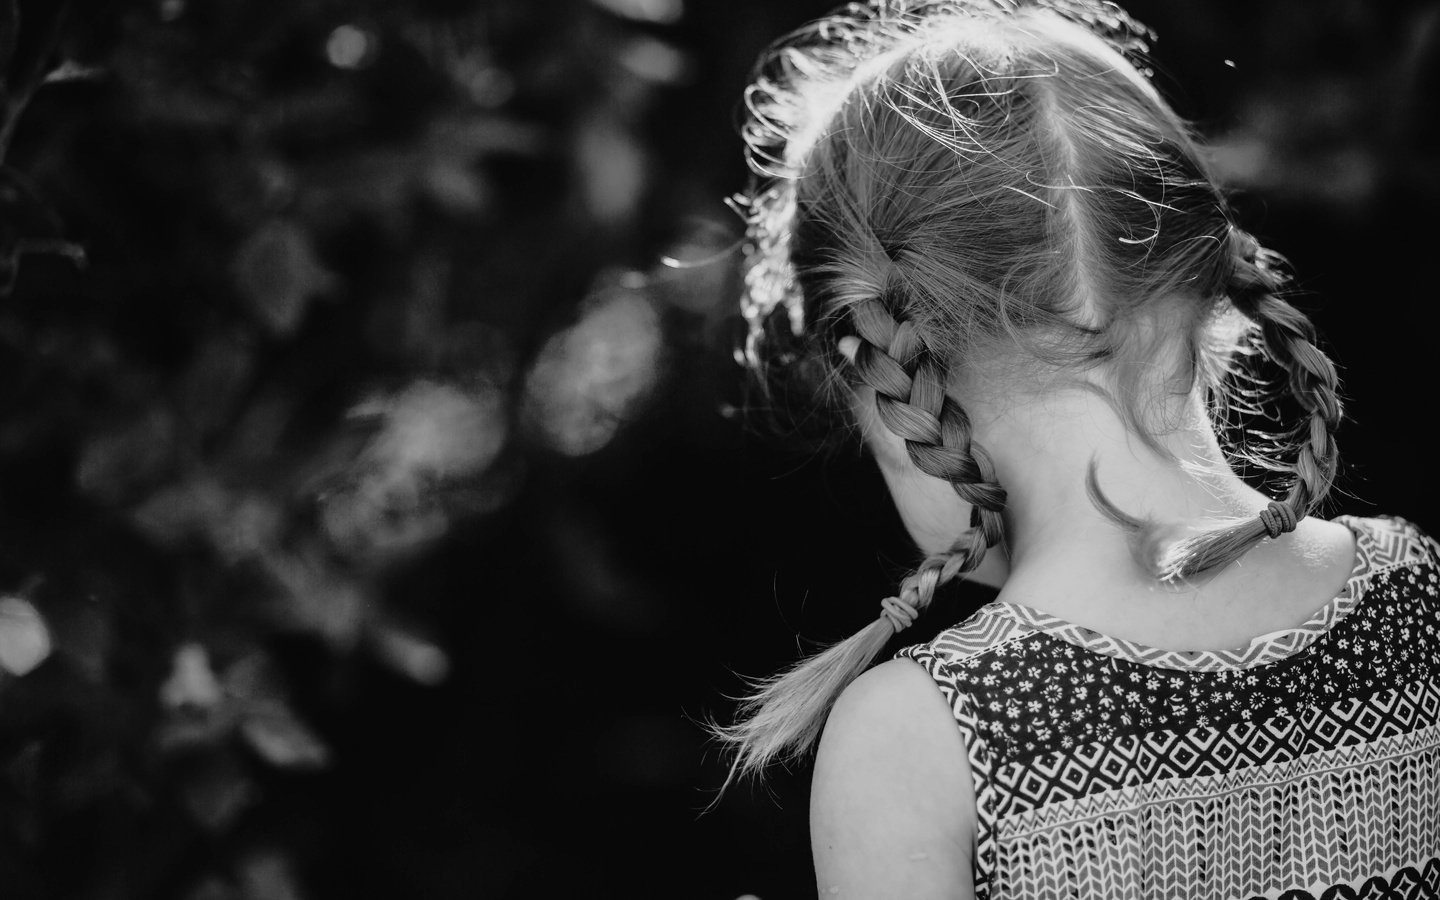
x=961, y=183
x=1006, y=176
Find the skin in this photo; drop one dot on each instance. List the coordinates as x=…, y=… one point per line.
x=892, y=802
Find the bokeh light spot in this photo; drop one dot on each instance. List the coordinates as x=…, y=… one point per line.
x=24, y=637
x=350, y=47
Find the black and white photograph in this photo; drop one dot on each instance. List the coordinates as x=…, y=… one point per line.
x=719, y=449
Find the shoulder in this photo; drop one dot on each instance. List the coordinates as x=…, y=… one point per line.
x=899, y=696
x=892, y=802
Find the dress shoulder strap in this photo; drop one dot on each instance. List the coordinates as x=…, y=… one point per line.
x=947, y=659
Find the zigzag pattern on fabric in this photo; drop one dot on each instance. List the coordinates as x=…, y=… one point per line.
x=1395, y=543
x=1389, y=544
x=1337, y=826
x=981, y=633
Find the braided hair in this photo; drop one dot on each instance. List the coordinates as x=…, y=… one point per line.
x=945, y=180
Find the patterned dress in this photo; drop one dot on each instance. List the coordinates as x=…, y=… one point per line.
x=1306, y=765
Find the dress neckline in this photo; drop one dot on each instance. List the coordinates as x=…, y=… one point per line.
x=1262, y=649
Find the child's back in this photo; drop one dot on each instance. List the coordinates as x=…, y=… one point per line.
x=1302, y=762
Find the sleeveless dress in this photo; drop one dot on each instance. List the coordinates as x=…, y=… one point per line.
x=1305, y=766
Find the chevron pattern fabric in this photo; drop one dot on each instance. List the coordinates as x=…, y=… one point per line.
x=1305, y=765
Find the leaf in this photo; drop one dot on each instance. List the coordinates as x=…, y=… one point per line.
x=213, y=888
x=589, y=379
x=315, y=597
x=282, y=740
x=215, y=381
x=455, y=186
x=178, y=512
x=613, y=170
x=27, y=222
x=116, y=464
x=9, y=26
x=24, y=637
x=410, y=654
x=192, y=683
x=217, y=792
x=267, y=876
x=70, y=70
x=438, y=430
x=24, y=211
x=660, y=12
x=277, y=272
x=268, y=724
x=186, y=731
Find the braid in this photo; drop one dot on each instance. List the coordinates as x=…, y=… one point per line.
x=1288, y=338
x=786, y=713
x=910, y=399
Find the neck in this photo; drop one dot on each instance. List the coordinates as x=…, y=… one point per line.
x=1043, y=447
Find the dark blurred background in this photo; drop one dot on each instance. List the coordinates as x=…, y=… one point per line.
x=379, y=511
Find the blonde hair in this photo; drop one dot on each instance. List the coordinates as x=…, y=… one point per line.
x=940, y=179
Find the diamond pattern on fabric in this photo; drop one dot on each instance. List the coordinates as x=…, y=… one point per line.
x=1164, y=755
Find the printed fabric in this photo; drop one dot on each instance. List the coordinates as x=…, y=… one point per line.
x=1305, y=766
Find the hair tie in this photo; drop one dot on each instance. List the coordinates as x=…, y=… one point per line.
x=901, y=614
x=1278, y=519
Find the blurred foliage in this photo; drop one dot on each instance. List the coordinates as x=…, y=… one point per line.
x=322, y=243
x=369, y=520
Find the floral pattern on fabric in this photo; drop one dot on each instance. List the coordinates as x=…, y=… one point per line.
x=1044, y=693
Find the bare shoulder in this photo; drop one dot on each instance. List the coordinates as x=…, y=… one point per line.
x=892, y=809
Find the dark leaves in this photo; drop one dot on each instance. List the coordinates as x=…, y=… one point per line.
x=9, y=30
x=28, y=224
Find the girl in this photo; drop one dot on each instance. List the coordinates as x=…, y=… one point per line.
x=980, y=225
